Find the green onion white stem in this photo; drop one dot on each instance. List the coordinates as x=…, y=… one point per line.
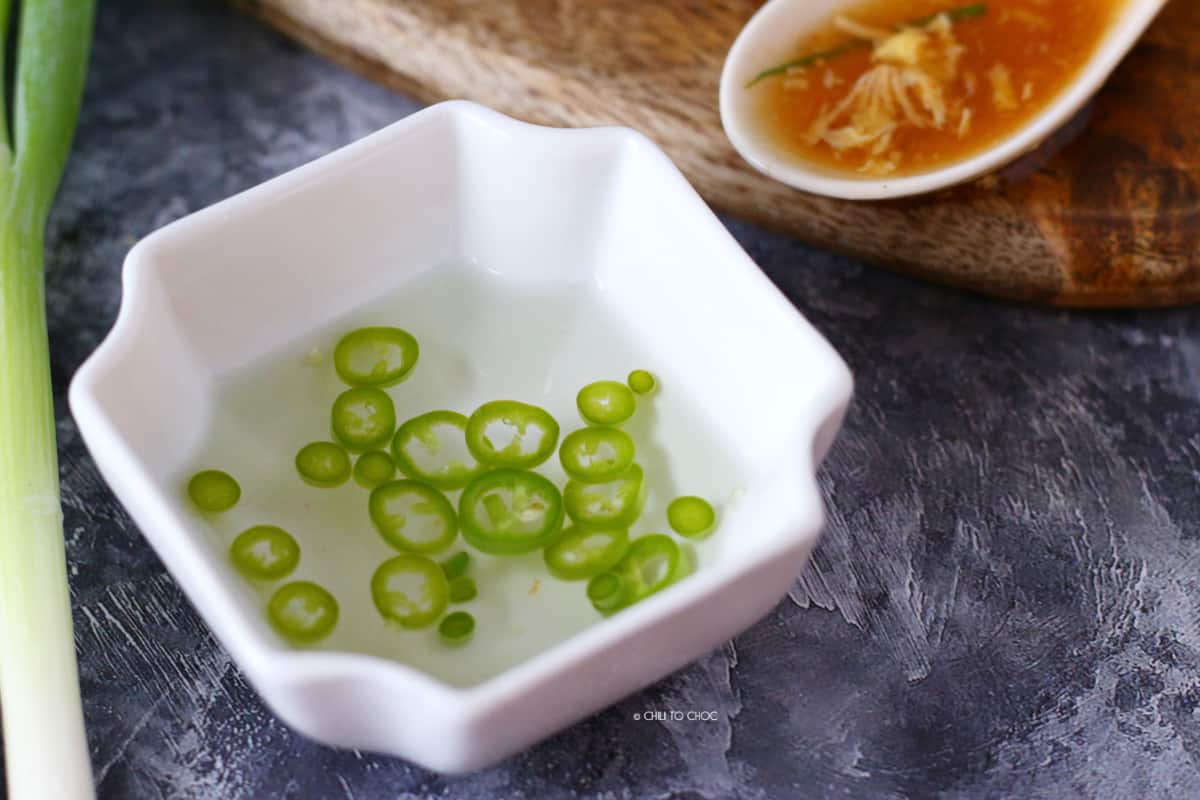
x=46, y=753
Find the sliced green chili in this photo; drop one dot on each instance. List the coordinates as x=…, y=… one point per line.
x=641, y=381
x=691, y=516
x=652, y=563
x=303, y=611
x=456, y=565
x=214, y=490
x=606, y=593
x=508, y=511
x=457, y=628
x=413, y=516
x=606, y=403
x=379, y=357
x=508, y=433
x=433, y=448
x=363, y=418
x=821, y=56
x=410, y=590
x=374, y=469
x=323, y=464
x=612, y=504
x=582, y=553
x=463, y=589
x=596, y=455
x=265, y=553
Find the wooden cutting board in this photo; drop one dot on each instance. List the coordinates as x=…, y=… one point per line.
x=1110, y=219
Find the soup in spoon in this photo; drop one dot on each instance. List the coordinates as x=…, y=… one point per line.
x=900, y=88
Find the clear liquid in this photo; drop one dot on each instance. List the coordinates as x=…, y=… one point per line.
x=482, y=338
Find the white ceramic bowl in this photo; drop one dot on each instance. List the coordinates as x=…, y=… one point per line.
x=770, y=38
x=603, y=211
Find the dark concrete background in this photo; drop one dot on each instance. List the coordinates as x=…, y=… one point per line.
x=1005, y=602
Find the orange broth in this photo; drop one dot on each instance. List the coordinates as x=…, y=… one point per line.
x=1011, y=61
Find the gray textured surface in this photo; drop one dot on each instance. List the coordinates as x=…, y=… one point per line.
x=1005, y=601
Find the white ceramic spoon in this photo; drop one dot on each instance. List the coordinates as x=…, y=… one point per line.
x=770, y=37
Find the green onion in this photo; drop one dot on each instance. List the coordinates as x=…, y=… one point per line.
x=413, y=517
x=457, y=628
x=303, y=612
x=410, y=590
x=265, y=553
x=692, y=517
x=606, y=403
x=810, y=59
x=47, y=753
x=955, y=14
x=214, y=490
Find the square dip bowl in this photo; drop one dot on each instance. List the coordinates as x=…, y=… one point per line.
x=528, y=262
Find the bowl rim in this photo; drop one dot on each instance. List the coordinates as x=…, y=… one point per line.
x=266, y=661
x=1124, y=33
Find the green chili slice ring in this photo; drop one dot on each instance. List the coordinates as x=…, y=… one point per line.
x=508, y=433
x=374, y=468
x=413, y=517
x=691, y=516
x=641, y=381
x=214, y=490
x=606, y=403
x=652, y=563
x=323, y=464
x=596, y=455
x=457, y=628
x=265, y=553
x=363, y=418
x=379, y=357
x=410, y=590
x=612, y=504
x=508, y=511
x=433, y=448
x=303, y=611
x=607, y=593
x=582, y=553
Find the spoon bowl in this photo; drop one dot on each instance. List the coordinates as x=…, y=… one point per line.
x=770, y=37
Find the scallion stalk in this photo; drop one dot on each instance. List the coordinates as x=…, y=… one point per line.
x=46, y=752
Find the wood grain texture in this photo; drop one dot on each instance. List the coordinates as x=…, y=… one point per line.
x=1106, y=215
